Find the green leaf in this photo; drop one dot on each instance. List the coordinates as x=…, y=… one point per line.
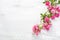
x=49, y=15
x=55, y=0
x=58, y=1
x=43, y=15
x=52, y=1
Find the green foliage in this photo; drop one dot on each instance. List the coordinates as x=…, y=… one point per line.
x=52, y=2
x=48, y=14
x=58, y=1
x=43, y=16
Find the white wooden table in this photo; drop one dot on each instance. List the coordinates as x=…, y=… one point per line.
x=17, y=18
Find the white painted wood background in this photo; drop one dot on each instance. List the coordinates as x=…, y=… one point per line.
x=17, y=18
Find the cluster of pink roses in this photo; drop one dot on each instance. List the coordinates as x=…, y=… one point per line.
x=54, y=11
x=46, y=24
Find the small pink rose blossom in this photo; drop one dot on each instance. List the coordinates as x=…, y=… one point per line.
x=36, y=29
x=37, y=33
x=47, y=3
x=57, y=15
x=51, y=7
x=46, y=26
x=58, y=8
x=53, y=17
x=53, y=11
x=46, y=19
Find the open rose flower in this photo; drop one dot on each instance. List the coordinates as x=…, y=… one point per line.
x=53, y=10
x=36, y=29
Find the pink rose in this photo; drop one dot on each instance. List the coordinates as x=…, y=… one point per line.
x=46, y=26
x=46, y=19
x=57, y=15
x=47, y=3
x=37, y=32
x=53, y=17
x=58, y=8
x=36, y=29
x=53, y=11
x=50, y=7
